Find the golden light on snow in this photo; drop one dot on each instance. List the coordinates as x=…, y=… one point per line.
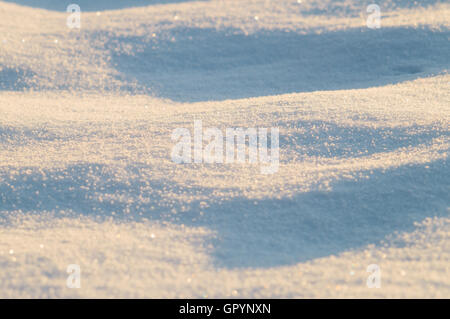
x=86, y=126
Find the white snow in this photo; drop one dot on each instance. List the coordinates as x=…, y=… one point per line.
x=86, y=175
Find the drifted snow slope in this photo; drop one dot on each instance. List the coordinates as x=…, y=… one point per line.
x=85, y=139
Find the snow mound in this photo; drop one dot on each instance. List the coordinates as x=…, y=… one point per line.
x=86, y=175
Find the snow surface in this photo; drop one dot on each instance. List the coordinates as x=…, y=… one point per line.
x=85, y=139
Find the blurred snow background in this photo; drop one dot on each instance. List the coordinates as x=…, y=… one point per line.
x=86, y=176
